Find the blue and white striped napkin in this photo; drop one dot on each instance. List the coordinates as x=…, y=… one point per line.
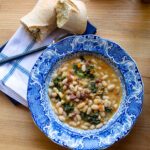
x=14, y=76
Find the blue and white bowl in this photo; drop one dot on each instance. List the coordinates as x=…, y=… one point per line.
x=122, y=121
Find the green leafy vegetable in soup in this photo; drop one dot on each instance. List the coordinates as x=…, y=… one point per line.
x=93, y=87
x=91, y=118
x=68, y=108
x=57, y=81
x=85, y=92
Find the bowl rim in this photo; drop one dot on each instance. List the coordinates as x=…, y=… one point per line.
x=75, y=41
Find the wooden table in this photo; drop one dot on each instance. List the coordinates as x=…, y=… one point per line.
x=126, y=22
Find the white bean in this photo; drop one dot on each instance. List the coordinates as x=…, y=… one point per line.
x=76, y=110
x=84, y=127
x=62, y=118
x=67, y=97
x=87, y=90
x=102, y=73
x=72, y=123
x=84, y=83
x=71, y=86
x=87, y=124
x=62, y=101
x=111, y=87
x=55, y=90
x=74, y=83
x=78, y=123
x=54, y=75
x=85, y=108
x=99, y=125
x=105, y=77
x=105, y=97
x=80, y=88
x=78, y=117
x=75, y=88
x=97, y=101
x=76, y=100
x=92, y=127
x=107, y=103
x=95, y=107
x=99, y=68
x=92, y=95
x=78, y=60
x=83, y=68
x=89, y=110
x=81, y=105
x=115, y=106
x=65, y=81
x=99, y=117
x=68, y=92
x=106, y=91
x=78, y=94
x=64, y=87
x=58, y=104
x=60, y=94
x=104, y=83
x=93, y=60
x=90, y=102
x=60, y=110
x=103, y=114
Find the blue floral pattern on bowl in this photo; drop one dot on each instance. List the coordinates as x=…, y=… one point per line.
x=123, y=120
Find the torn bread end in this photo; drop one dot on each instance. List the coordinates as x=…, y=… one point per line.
x=71, y=16
x=41, y=20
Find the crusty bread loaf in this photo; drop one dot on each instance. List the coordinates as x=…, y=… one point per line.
x=71, y=16
x=41, y=21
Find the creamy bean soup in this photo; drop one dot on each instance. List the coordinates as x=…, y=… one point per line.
x=85, y=92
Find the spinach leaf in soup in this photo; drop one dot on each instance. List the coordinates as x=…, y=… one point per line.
x=91, y=118
x=90, y=72
x=57, y=81
x=78, y=71
x=108, y=110
x=68, y=108
x=93, y=87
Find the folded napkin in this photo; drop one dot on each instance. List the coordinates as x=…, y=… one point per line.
x=14, y=75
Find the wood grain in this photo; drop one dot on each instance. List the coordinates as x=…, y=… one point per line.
x=126, y=22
